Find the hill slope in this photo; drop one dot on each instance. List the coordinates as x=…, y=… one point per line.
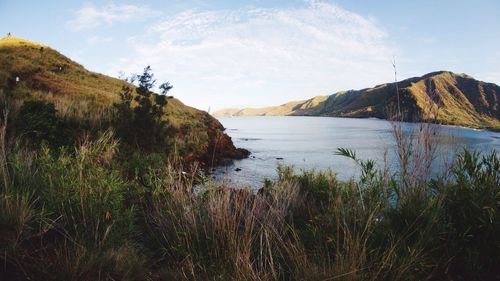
x=444, y=96
x=30, y=70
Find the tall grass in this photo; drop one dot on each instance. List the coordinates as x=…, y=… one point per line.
x=80, y=214
x=3, y=149
x=225, y=233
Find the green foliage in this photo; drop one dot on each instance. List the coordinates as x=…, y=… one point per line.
x=75, y=216
x=81, y=215
x=368, y=169
x=450, y=224
x=84, y=100
x=143, y=126
x=472, y=205
x=38, y=122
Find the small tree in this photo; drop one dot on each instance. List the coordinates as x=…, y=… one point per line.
x=141, y=124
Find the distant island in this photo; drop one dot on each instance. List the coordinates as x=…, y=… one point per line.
x=444, y=97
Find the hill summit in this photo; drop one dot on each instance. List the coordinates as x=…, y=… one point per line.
x=443, y=96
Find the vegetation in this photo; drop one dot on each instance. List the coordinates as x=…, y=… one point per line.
x=38, y=122
x=83, y=102
x=89, y=198
x=73, y=214
x=460, y=99
x=146, y=117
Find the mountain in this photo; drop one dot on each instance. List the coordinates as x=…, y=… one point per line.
x=305, y=107
x=443, y=96
x=30, y=70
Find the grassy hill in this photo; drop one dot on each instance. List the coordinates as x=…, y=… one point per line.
x=86, y=97
x=443, y=96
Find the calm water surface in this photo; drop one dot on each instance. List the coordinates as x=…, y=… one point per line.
x=311, y=142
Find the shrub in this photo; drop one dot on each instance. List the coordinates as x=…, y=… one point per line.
x=472, y=205
x=142, y=125
x=38, y=122
x=76, y=224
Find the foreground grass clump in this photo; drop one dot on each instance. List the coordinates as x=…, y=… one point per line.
x=81, y=214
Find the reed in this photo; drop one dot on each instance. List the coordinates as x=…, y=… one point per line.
x=87, y=214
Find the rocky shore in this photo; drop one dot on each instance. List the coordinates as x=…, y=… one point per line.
x=220, y=148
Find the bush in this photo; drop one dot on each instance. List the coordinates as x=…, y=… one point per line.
x=76, y=223
x=142, y=125
x=472, y=205
x=38, y=122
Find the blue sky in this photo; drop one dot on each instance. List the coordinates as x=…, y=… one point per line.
x=222, y=54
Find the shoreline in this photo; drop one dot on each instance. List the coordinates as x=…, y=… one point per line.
x=489, y=129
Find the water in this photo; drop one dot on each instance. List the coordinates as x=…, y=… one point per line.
x=311, y=142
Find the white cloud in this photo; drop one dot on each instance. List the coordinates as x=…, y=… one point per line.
x=95, y=40
x=90, y=16
x=253, y=57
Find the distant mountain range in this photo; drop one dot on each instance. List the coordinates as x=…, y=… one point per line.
x=443, y=96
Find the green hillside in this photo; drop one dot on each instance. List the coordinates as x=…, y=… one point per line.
x=445, y=97
x=86, y=97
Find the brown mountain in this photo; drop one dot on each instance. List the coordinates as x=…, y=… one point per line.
x=443, y=96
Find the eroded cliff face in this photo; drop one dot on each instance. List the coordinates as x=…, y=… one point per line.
x=220, y=147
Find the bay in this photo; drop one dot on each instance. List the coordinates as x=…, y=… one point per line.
x=311, y=142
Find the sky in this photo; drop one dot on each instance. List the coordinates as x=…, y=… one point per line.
x=226, y=54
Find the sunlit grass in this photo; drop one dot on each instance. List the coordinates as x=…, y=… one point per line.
x=85, y=98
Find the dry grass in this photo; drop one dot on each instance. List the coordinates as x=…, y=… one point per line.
x=445, y=97
x=233, y=234
x=84, y=98
x=83, y=220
